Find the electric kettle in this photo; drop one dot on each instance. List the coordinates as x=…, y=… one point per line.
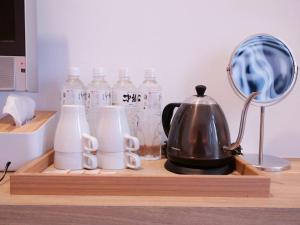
x=198, y=136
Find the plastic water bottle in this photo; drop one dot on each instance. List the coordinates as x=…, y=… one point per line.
x=125, y=93
x=98, y=90
x=73, y=92
x=98, y=94
x=149, y=117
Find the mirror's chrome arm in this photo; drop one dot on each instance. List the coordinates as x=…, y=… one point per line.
x=238, y=141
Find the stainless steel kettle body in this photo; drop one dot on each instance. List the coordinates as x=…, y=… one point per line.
x=198, y=135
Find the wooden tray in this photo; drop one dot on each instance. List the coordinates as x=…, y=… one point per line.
x=39, y=177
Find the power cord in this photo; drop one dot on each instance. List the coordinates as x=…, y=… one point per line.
x=5, y=170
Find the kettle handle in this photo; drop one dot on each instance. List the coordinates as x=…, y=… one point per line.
x=167, y=116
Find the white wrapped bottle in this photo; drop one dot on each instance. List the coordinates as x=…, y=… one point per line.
x=125, y=93
x=73, y=92
x=149, y=117
x=98, y=94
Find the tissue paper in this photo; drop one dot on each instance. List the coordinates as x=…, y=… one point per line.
x=21, y=108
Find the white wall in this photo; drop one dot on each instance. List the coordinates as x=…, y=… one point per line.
x=189, y=42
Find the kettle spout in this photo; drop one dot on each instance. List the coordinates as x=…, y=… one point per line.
x=238, y=141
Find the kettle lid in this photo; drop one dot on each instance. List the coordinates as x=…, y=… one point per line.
x=200, y=98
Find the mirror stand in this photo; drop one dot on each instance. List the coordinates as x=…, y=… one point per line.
x=266, y=162
x=263, y=63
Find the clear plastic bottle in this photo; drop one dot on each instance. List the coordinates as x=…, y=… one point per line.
x=149, y=117
x=125, y=93
x=73, y=92
x=98, y=94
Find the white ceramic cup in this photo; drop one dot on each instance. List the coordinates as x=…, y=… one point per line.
x=72, y=131
x=72, y=136
x=74, y=161
x=118, y=160
x=113, y=131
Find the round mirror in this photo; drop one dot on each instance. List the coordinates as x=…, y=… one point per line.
x=264, y=64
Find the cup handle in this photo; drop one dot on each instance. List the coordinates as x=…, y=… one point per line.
x=89, y=161
x=89, y=142
x=131, y=139
x=133, y=161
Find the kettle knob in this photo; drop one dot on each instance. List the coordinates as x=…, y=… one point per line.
x=200, y=89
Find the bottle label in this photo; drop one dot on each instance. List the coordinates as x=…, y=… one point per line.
x=125, y=98
x=149, y=120
x=150, y=100
x=96, y=98
x=73, y=97
x=128, y=99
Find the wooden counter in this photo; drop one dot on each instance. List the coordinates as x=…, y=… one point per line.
x=282, y=207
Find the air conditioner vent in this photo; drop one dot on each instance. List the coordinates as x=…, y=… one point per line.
x=7, y=79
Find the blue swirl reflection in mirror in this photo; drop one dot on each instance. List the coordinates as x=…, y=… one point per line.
x=263, y=63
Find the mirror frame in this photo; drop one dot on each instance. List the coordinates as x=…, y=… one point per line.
x=254, y=101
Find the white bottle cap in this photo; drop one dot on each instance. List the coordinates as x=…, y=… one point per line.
x=123, y=72
x=98, y=72
x=74, y=71
x=150, y=72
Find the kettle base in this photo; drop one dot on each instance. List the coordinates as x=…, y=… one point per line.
x=181, y=169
